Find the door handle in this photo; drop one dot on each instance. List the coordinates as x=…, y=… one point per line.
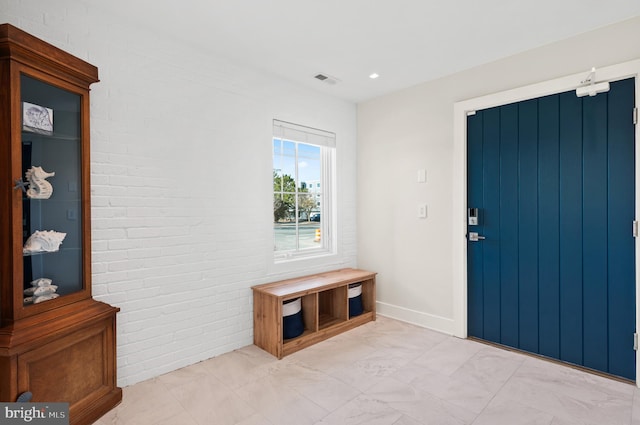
x=475, y=237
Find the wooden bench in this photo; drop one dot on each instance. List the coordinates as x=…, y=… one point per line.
x=325, y=308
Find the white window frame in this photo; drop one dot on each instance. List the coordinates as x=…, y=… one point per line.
x=283, y=130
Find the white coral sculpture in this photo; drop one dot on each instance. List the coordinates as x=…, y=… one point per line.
x=43, y=241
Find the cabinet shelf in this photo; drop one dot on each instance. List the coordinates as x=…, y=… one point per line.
x=57, y=137
x=52, y=201
x=325, y=308
x=326, y=321
x=292, y=341
x=34, y=254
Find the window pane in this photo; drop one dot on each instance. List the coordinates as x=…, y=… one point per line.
x=284, y=157
x=308, y=230
x=55, y=147
x=293, y=164
x=285, y=236
x=297, y=177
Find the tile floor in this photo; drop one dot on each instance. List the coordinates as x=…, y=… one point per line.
x=385, y=372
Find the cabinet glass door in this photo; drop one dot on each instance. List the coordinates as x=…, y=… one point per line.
x=51, y=206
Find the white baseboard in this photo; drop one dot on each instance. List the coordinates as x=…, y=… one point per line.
x=425, y=320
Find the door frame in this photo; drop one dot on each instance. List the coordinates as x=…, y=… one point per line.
x=461, y=110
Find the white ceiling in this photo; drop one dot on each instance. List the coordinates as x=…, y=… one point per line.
x=407, y=42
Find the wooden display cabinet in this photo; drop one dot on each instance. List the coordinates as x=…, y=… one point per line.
x=60, y=345
x=325, y=308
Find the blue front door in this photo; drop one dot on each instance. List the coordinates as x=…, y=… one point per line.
x=553, y=181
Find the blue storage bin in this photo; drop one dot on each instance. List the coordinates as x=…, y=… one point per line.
x=355, y=300
x=292, y=322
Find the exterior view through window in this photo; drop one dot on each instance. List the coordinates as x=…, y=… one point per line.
x=302, y=164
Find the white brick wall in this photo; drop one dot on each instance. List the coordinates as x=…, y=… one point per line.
x=181, y=180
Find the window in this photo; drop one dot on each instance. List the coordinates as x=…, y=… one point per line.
x=303, y=158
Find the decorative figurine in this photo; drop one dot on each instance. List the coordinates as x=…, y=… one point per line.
x=39, y=188
x=42, y=281
x=37, y=119
x=38, y=300
x=38, y=291
x=43, y=241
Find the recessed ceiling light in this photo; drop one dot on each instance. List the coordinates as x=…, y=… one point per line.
x=373, y=76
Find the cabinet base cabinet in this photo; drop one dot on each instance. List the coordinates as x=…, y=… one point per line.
x=65, y=358
x=325, y=308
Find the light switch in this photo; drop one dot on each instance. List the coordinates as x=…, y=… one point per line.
x=422, y=211
x=422, y=175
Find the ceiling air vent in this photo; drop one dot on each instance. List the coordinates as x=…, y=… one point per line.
x=326, y=79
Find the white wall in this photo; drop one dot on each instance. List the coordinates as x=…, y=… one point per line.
x=413, y=129
x=181, y=183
